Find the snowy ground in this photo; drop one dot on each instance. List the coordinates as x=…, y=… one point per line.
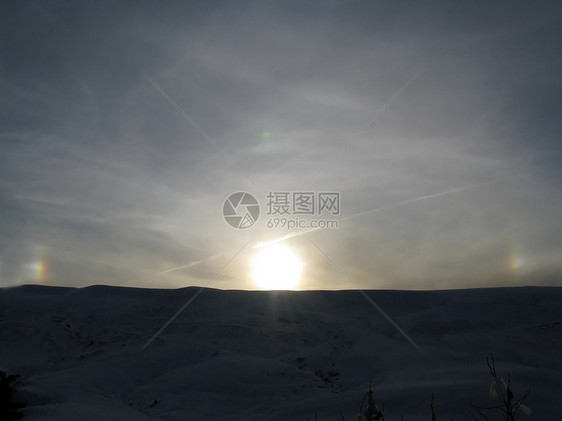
x=238, y=355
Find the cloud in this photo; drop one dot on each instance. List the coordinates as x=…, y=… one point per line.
x=106, y=180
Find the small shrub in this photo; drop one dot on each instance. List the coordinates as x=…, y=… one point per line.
x=369, y=410
x=510, y=406
x=8, y=408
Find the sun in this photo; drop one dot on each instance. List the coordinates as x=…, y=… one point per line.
x=276, y=267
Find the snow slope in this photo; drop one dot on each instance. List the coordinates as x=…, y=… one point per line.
x=240, y=355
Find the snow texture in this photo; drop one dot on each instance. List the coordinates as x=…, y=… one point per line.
x=256, y=356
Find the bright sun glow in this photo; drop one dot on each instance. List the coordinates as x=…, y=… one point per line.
x=276, y=267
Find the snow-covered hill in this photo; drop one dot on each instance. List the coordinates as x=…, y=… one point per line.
x=239, y=355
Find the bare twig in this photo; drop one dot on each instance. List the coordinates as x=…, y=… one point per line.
x=491, y=365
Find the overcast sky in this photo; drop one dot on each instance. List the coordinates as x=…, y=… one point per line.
x=125, y=126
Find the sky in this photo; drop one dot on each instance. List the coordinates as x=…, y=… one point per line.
x=125, y=126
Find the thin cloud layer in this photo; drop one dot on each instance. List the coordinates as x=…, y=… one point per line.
x=104, y=178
